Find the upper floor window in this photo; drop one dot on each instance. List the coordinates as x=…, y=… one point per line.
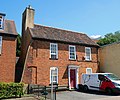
x=88, y=70
x=53, y=51
x=0, y=44
x=54, y=75
x=88, y=53
x=72, y=52
x=1, y=22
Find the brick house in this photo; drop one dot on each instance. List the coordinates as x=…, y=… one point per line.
x=8, y=36
x=52, y=54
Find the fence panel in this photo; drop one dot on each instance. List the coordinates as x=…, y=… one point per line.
x=42, y=91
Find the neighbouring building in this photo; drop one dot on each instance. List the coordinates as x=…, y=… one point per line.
x=52, y=54
x=8, y=36
x=109, y=56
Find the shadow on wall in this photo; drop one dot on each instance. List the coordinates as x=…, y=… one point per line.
x=18, y=71
x=65, y=76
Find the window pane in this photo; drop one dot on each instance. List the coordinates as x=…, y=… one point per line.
x=88, y=57
x=54, y=72
x=71, y=49
x=53, y=56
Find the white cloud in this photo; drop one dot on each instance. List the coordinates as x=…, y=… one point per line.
x=95, y=36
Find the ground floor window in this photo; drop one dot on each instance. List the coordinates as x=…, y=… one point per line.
x=54, y=75
x=88, y=70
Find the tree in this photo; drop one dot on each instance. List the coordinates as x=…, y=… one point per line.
x=109, y=38
x=18, y=48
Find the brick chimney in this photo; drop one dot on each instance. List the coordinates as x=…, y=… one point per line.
x=27, y=18
x=27, y=21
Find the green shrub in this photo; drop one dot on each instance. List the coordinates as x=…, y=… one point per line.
x=11, y=89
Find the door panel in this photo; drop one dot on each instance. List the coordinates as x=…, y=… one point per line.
x=72, y=78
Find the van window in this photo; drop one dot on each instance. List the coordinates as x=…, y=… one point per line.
x=112, y=76
x=101, y=77
x=88, y=70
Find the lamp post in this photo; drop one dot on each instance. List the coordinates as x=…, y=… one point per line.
x=52, y=85
x=52, y=89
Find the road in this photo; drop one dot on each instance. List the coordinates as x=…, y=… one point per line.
x=92, y=95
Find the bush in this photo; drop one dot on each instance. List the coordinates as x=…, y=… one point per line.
x=11, y=89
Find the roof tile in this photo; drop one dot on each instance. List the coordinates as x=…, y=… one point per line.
x=50, y=33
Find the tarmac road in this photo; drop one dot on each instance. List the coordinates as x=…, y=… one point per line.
x=92, y=95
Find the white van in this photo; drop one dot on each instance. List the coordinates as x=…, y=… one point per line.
x=101, y=81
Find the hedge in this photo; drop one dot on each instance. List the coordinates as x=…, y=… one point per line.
x=11, y=90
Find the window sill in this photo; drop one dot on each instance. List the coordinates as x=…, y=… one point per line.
x=53, y=58
x=88, y=60
x=72, y=59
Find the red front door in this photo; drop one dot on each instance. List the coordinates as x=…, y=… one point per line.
x=72, y=78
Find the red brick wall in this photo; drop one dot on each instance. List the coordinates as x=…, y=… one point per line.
x=39, y=57
x=8, y=59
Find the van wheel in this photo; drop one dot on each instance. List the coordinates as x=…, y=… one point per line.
x=85, y=88
x=109, y=91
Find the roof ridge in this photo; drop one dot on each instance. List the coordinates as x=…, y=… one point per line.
x=61, y=29
x=9, y=20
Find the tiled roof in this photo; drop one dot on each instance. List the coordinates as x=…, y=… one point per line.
x=9, y=28
x=55, y=34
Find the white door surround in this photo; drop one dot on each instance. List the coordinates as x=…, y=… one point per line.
x=77, y=75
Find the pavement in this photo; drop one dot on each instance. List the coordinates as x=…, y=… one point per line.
x=75, y=95
x=33, y=98
x=110, y=98
x=23, y=98
x=28, y=97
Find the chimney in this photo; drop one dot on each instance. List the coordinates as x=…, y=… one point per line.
x=27, y=18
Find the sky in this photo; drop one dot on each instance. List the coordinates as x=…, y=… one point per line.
x=92, y=17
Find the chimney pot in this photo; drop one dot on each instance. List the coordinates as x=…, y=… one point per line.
x=29, y=6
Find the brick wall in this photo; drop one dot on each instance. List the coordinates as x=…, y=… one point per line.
x=39, y=62
x=8, y=59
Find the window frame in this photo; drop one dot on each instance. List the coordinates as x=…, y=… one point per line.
x=89, y=54
x=56, y=50
x=53, y=68
x=87, y=71
x=74, y=52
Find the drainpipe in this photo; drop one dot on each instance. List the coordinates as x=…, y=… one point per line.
x=26, y=59
x=98, y=60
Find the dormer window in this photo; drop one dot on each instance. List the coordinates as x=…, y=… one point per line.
x=1, y=22
x=2, y=16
